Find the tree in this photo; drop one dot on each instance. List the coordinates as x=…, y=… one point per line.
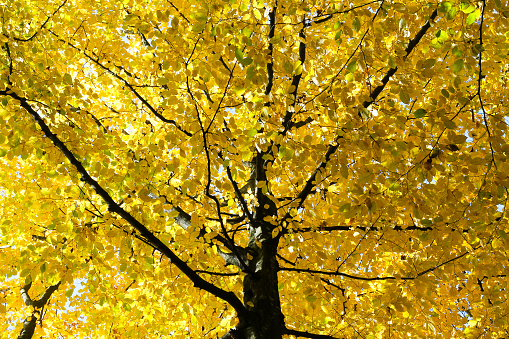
x=245, y=169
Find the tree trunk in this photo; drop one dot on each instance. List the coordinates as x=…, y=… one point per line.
x=261, y=294
x=28, y=328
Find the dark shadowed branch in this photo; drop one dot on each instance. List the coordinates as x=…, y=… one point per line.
x=30, y=323
x=304, y=334
x=114, y=207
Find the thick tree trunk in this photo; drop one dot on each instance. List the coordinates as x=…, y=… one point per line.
x=264, y=319
x=261, y=297
x=28, y=328
x=261, y=294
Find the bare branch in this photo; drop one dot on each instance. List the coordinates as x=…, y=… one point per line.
x=243, y=203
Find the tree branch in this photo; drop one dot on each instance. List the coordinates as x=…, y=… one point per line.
x=178, y=11
x=239, y=259
x=304, y=334
x=355, y=277
x=363, y=228
x=243, y=203
x=128, y=85
x=479, y=82
x=296, y=80
x=270, y=64
x=30, y=322
x=411, y=45
x=42, y=26
x=311, y=182
x=114, y=207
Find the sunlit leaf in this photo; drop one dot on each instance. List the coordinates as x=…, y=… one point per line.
x=457, y=66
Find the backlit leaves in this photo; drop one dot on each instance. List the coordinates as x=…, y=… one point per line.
x=381, y=141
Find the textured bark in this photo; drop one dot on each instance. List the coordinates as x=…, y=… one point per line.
x=30, y=323
x=261, y=297
x=28, y=328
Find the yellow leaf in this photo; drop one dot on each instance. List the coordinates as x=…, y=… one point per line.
x=257, y=14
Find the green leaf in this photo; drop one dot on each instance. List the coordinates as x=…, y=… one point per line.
x=238, y=90
x=162, y=81
x=252, y=132
x=201, y=16
x=356, y=24
x=246, y=61
x=472, y=17
x=337, y=37
x=250, y=72
x=404, y=97
x=352, y=66
x=450, y=124
x=392, y=62
x=394, y=187
x=275, y=40
x=466, y=8
x=239, y=55
x=288, y=67
x=428, y=63
x=457, y=82
x=452, y=13
x=457, y=52
x=445, y=7
x=479, y=48
x=198, y=27
x=68, y=79
x=247, y=32
x=311, y=298
x=420, y=113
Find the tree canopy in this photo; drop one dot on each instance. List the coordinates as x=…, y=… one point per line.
x=254, y=169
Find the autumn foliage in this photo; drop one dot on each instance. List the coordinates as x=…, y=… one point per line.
x=254, y=169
